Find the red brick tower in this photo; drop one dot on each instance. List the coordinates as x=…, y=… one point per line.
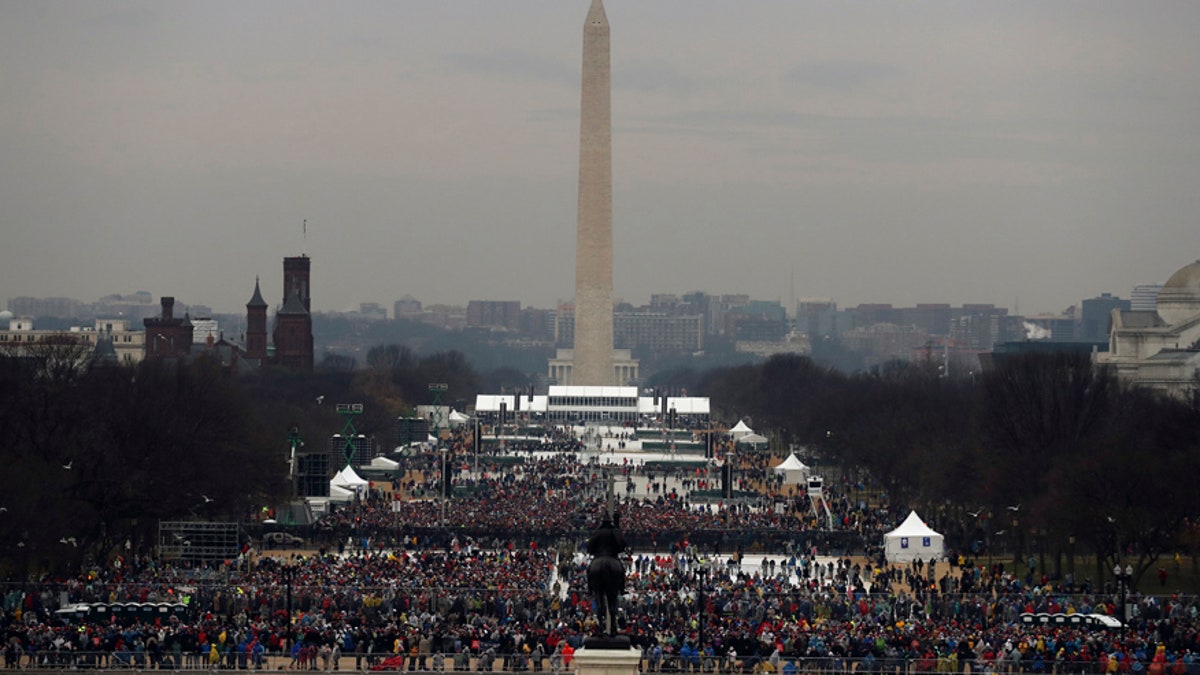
x=256, y=325
x=293, y=336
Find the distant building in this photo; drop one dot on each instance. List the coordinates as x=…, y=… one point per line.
x=1015, y=348
x=494, y=314
x=1053, y=327
x=1144, y=297
x=407, y=307
x=293, y=337
x=1096, y=316
x=719, y=307
x=643, y=330
x=933, y=318
x=256, y=326
x=291, y=342
x=872, y=313
x=658, y=332
x=700, y=303
x=582, y=404
x=1160, y=349
x=981, y=327
x=126, y=344
x=817, y=317
x=371, y=311
x=538, y=324
x=446, y=317
x=884, y=342
x=168, y=336
x=561, y=370
x=58, y=308
x=756, y=321
x=795, y=343
x=134, y=306
x=205, y=329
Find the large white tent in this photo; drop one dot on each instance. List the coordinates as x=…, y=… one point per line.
x=337, y=493
x=792, y=469
x=345, y=484
x=911, y=541
x=740, y=429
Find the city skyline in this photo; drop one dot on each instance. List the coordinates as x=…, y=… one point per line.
x=992, y=152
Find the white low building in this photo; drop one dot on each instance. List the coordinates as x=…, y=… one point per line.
x=582, y=404
x=22, y=339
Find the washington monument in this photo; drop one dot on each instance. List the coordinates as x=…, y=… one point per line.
x=593, y=358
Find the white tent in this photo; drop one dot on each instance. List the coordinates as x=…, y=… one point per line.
x=740, y=429
x=384, y=464
x=347, y=477
x=792, y=469
x=338, y=493
x=458, y=419
x=912, y=540
x=346, y=483
x=753, y=439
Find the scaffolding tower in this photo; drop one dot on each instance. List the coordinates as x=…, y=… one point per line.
x=197, y=540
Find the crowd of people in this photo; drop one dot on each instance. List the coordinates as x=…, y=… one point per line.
x=392, y=587
x=516, y=607
x=552, y=494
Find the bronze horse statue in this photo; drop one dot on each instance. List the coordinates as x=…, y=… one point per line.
x=606, y=573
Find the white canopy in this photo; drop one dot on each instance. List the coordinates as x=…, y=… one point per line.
x=345, y=484
x=740, y=429
x=753, y=439
x=348, y=478
x=338, y=493
x=457, y=418
x=912, y=540
x=792, y=469
x=384, y=463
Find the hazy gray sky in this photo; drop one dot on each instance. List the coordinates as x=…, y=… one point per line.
x=902, y=152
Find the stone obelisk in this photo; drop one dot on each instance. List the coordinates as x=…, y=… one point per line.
x=593, y=354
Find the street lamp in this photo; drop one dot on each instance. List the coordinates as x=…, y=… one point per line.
x=701, y=574
x=1071, y=543
x=295, y=442
x=1123, y=579
x=445, y=482
x=476, y=441
x=288, y=572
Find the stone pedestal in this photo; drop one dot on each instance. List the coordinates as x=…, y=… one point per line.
x=597, y=661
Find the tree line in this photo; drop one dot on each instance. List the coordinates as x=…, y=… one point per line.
x=1045, y=449
x=96, y=454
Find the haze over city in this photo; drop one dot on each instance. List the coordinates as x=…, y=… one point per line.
x=1011, y=152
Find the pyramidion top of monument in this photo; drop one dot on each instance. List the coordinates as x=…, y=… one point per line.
x=596, y=16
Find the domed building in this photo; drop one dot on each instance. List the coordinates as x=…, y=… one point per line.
x=1161, y=349
x=1179, y=299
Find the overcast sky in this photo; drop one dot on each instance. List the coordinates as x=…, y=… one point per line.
x=1006, y=152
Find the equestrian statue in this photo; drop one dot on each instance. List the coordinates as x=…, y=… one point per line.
x=606, y=574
